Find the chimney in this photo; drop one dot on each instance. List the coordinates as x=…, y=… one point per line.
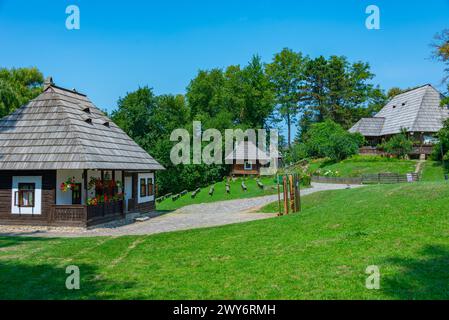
x=48, y=83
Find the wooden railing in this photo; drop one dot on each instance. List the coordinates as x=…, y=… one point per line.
x=104, y=211
x=74, y=215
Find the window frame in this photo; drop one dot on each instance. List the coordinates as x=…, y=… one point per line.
x=246, y=168
x=19, y=195
x=150, y=187
x=143, y=187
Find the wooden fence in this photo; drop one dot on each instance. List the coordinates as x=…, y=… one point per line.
x=388, y=178
x=337, y=180
x=381, y=178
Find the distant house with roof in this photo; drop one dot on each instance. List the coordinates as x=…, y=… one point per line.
x=418, y=111
x=249, y=159
x=64, y=163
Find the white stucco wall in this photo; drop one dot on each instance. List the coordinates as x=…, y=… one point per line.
x=65, y=198
x=37, y=180
x=144, y=199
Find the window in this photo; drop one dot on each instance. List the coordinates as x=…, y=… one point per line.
x=150, y=187
x=76, y=194
x=24, y=197
x=143, y=187
x=248, y=165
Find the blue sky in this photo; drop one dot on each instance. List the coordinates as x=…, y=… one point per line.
x=162, y=44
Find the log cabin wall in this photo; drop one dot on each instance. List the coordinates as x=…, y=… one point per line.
x=48, y=198
x=239, y=169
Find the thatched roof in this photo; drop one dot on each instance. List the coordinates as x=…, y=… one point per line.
x=417, y=110
x=62, y=129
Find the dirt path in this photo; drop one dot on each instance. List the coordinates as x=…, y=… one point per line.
x=189, y=217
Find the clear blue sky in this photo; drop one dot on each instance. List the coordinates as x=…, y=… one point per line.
x=125, y=44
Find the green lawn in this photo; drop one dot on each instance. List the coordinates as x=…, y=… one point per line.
x=433, y=171
x=359, y=165
x=220, y=193
x=321, y=253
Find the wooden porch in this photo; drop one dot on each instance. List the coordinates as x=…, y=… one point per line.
x=85, y=216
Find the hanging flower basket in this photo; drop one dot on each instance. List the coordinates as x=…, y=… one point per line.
x=69, y=184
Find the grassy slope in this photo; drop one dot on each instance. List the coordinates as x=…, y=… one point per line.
x=220, y=193
x=359, y=165
x=320, y=253
x=433, y=171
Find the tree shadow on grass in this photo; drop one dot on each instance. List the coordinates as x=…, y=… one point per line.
x=12, y=239
x=48, y=282
x=26, y=279
x=422, y=278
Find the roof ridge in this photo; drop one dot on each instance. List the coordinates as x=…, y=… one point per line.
x=64, y=89
x=411, y=89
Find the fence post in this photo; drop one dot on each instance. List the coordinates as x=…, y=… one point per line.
x=284, y=180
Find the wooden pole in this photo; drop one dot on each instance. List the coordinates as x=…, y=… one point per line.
x=279, y=196
x=285, y=185
x=298, y=193
x=292, y=193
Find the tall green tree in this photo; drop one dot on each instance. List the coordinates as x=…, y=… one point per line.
x=241, y=97
x=340, y=91
x=286, y=74
x=17, y=87
x=258, y=95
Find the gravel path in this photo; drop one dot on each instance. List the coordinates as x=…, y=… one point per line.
x=189, y=217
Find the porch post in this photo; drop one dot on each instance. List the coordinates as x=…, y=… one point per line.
x=86, y=195
x=123, y=193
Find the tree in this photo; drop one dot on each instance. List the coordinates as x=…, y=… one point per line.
x=258, y=95
x=441, y=53
x=329, y=140
x=134, y=114
x=17, y=87
x=441, y=149
x=286, y=74
x=399, y=145
x=340, y=91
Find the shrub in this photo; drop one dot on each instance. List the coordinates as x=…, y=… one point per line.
x=296, y=153
x=329, y=140
x=441, y=150
x=399, y=145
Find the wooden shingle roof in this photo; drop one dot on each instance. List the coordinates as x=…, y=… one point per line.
x=417, y=110
x=247, y=150
x=62, y=129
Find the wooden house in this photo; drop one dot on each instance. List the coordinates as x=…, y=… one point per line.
x=418, y=111
x=248, y=159
x=64, y=163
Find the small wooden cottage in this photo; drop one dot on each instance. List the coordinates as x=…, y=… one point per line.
x=248, y=159
x=64, y=163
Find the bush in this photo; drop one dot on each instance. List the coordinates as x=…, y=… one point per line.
x=441, y=150
x=296, y=153
x=399, y=145
x=329, y=140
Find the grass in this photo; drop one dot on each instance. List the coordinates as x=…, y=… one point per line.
x=433, y=171
x=360, y=165
x=321, y=253
x=220, y=193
